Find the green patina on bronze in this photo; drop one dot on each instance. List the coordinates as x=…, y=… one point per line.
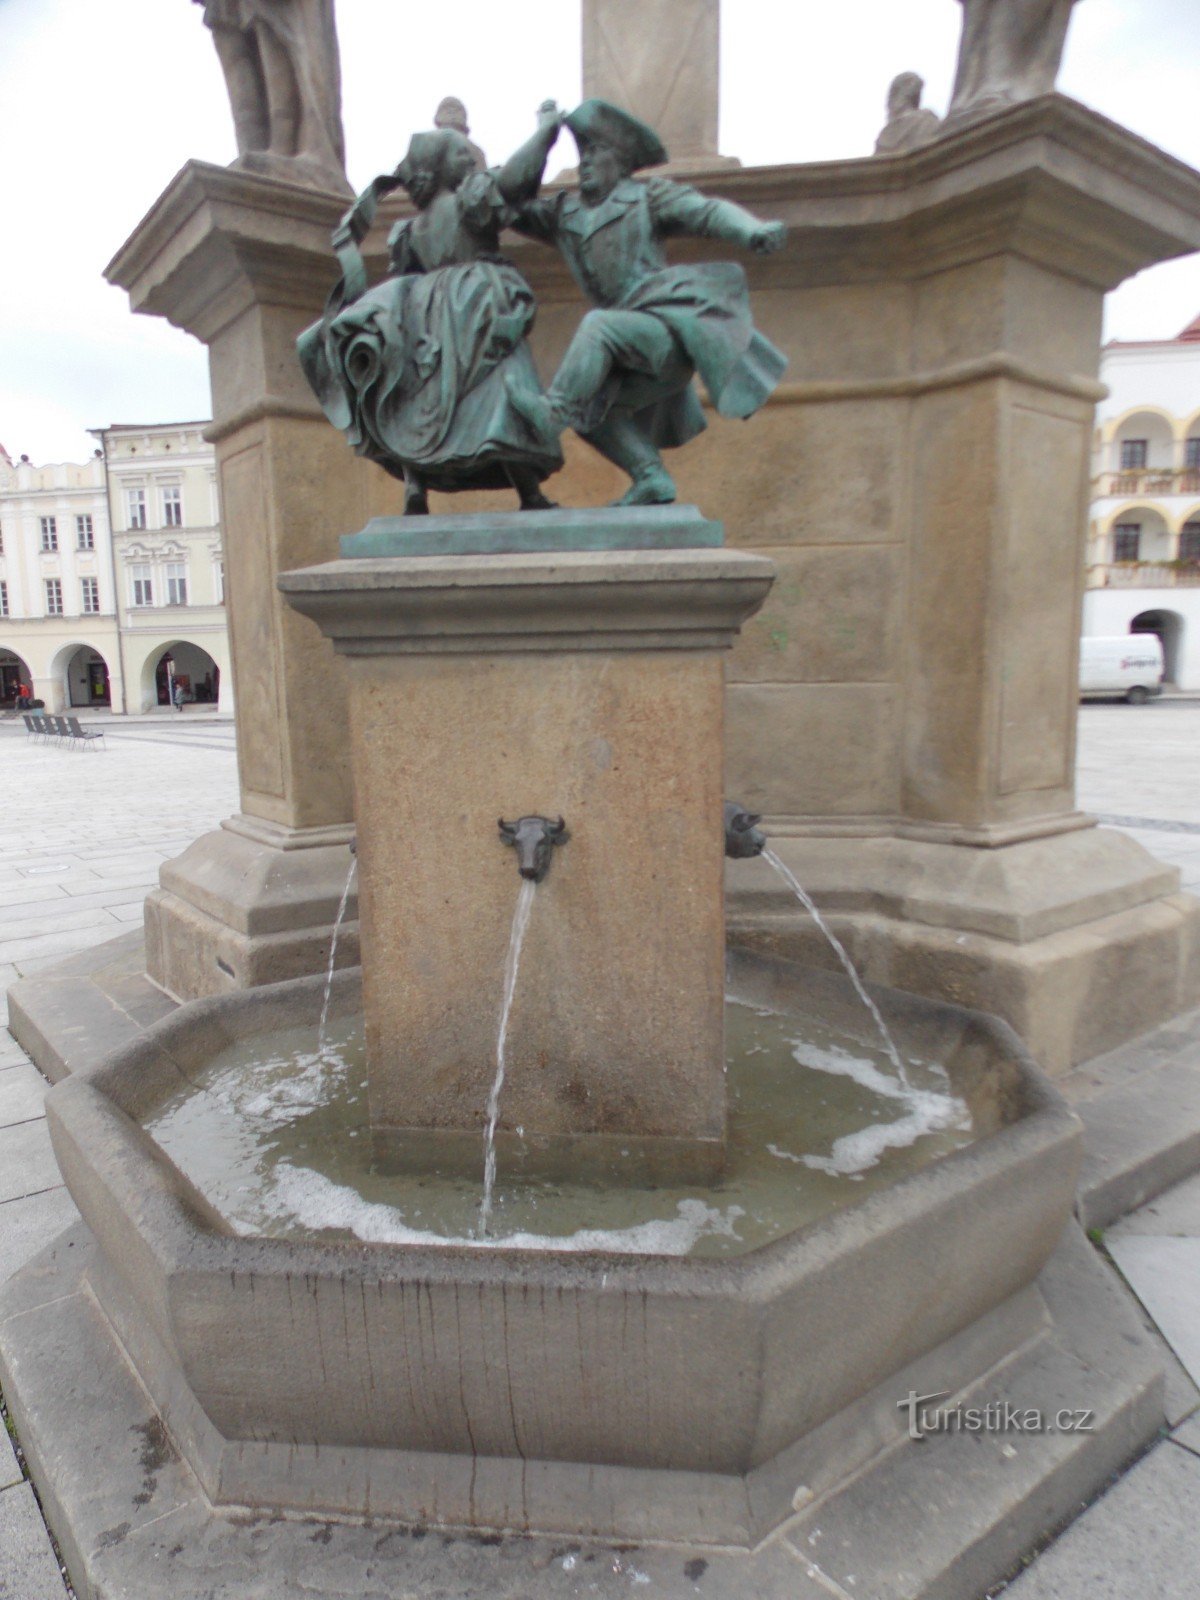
x=420, y=372
x=644, y=528
x=429, y=373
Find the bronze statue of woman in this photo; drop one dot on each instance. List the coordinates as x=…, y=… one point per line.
x=419, y=371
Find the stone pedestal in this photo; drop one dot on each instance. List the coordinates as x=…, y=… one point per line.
x=579, y=683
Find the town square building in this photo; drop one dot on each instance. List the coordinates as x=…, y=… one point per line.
x=112, y=575
x=1143, y=555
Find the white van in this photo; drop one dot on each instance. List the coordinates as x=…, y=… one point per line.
x=1129, y=664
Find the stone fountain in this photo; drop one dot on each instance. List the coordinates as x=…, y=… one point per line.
x=216, y=1405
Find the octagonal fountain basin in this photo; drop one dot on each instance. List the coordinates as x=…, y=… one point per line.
x=321, y=1330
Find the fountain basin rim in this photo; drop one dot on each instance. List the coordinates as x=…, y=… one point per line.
x=103, y=1092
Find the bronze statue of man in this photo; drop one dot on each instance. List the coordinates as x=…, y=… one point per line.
x=625, y=383
x=280, y=60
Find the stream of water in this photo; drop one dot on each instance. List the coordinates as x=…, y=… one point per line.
x=805, y=899
x=511, y=966
x=333, y=944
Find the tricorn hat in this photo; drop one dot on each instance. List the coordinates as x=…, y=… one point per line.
x=596, y=121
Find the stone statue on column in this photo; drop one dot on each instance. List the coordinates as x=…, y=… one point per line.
x=659, y=60
x=280, y=60
x=908, y=124
x=1010, y=50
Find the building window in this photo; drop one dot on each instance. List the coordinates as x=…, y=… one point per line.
x=219, y=582
x=1127, y=536
x=1189, y=542
x=85, y=538
x=141, y=585
x=3, y=598
x=135, y=507
x=176, y=583
x=54, y=605
x=1133, y=454
x=1191, y=455
x=49, y=533
x=91, y=594
x=173, y=507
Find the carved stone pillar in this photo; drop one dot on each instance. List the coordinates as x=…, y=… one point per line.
x=243, y=263
x=660, y=60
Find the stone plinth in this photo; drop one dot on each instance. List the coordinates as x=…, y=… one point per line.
x=582, y=684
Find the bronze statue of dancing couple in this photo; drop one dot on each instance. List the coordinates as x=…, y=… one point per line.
x=429, y=373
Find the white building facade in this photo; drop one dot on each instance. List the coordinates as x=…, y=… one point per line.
x=1143, y=556
x=58, y=622
x=112, y=576
x=170, y=586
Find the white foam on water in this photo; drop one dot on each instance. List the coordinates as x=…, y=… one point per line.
x=308, y=1085
x=315, y=1201
x=929, y=1111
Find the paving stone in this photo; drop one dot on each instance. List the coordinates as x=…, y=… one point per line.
x=1165, y=1276
x=1175, y=1212
x=28, y=1570
x=10, y=1472
x=1141, y=1539
x=29, y=1224
x=22, y=1091
x=1188, y=1434
x=27, y=1163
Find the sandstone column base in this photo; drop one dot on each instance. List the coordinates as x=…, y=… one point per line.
x=248, y=904
x=1079, y=940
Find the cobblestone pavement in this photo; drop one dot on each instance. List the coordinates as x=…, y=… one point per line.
x=84, y=834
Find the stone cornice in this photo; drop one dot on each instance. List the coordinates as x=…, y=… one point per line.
x=448, y=605
x=1048, y=180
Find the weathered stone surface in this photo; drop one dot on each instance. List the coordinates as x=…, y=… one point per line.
x=1164, y=1273
x=122, y=1525
x=1143, y=1537
x=1142, y=1136
x=22, y=1090
x=28, y=1224
x=10, y=1472
x=28, y=1570
x=898, y=1531
x=26, y=1162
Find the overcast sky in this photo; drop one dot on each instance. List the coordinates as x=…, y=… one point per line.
x=102, y=101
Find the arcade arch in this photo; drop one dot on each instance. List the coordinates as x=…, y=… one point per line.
x=81, y=673
x=183, y=663
x=1170, y=628
x=13, y=670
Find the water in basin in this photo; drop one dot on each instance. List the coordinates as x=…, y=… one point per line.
x=275, y=1133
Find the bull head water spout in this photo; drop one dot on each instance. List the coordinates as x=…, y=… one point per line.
x=534, y=838
x=742, y=837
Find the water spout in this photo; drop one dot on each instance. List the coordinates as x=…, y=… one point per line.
x=743, y=837
x=533, y=838
x=511, y=965
x=839, y=950
x=333, y=944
